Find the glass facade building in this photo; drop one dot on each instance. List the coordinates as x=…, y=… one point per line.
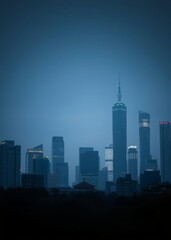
x=119, y=117
x=10, y=162
x=165, y=151
x=109, y=162
x=133, y=162
x=144, y=140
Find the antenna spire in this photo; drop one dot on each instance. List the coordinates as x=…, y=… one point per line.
x=119, y=92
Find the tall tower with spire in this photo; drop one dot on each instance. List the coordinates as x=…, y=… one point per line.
x=119, y=124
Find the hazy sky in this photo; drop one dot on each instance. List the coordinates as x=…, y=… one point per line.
x=60, y=62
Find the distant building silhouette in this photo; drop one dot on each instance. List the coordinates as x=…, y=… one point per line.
x=103, y=178
x=125, y=186
x=89, y=165
x=133, y=162
x=41, y=166
x=165, y=151
x=144, y=139
x=10, y=161
x=57, y=152
x=119, y=113
x=31, y=155
x=53, y=180
x=36, y=163
x=152, y=164
x=77, y=174
x=29, y=180
x=59, y=166
x=109, y=162
x=110, y=187
x=149, y=178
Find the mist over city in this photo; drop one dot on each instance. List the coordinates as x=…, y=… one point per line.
x=85, y=114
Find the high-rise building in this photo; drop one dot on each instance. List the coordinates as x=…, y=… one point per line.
x=62, y=174
x=10, y=161
x=57, y=152
x=152, y=164
x=119, y=111
x=59, y=166
x=103, y=178
x=31, y=155
x=133, y=162
x=109, y=162
x=89, y=165
x=41, y=167
x=165, y=151
x=144, y=140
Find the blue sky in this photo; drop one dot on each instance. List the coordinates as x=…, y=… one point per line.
x=60, y=65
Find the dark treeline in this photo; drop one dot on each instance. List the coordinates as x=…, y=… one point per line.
x=36, y=214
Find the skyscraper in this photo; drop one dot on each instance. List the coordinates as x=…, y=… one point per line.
x=165, y=151
x=10, y=160
x=119, y=114
x=144, y=140
x=31, y=154
x=57, y=152
x=109, y=162
x=59, y=167
x=133, y=162
x=41, y=166
x=89, y=165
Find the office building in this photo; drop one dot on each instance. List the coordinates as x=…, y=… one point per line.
x=103, y=178
x=41, y=167
x=165, y=151
x=57, y=152
x=59, y=166
x=109, y=162
x=10, y=161
x=89, y=165
x=119, y=114
x=31, y=154
x=62, y=174
x=133, y=162
x=144, y=139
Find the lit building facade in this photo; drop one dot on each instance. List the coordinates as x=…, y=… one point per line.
x=144, y=140
x=31, y=155
x=133, y=162
x=109, y=162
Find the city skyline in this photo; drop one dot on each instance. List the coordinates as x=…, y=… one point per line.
x=60, y=66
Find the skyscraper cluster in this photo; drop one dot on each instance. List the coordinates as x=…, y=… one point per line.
x=122, y=166
x=127, y=163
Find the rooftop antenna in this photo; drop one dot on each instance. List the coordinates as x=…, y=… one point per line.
x=119, y=92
